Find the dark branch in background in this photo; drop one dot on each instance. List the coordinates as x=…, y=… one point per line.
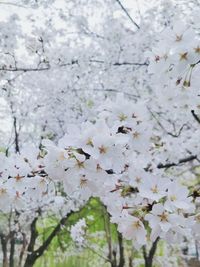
x=38, y=252
x=179, y=131
x=33, y=254
x=121, y=250
x=127, y=14
x=175, y=134
x=172, y=164
x=23, y=69
x=73, y=62
x=16, y=134
x=148, y=257
x=120, y=63
x=130, y=64
x=23, y=249
x=12, y=249
x=195, y=116
x=108, y=234
x=12, y=4
x=4, y=241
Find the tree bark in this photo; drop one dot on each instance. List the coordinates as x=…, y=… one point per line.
x=16, y=135
x=12, y=249
x=23, y=249
x=108, y=235
x=121, y=250
x=33, y=255
x=4, y=242
x=148, y=258
x=30, y=259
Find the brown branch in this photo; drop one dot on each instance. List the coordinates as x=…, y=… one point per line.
x=130, y=63
x=120, y=63
x=172, y=164
x=16, y=134
x=73, y=62
x=4, y=242
x=148, y=257
x=107, y=232
x=35, y=254
x=153, y=249
x=195, y=116
x=23, y=69
x=127, y=14
x=38, y=252
x=121, y=250
x=12, y=249
x=164, y=129
x=24, y=244
x=34, y=235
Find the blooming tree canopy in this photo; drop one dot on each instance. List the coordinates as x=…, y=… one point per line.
x=131, y=149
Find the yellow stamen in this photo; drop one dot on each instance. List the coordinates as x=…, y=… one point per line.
x=122, y=117
x=136, y=135
x=154, y=189
x=18, y=177
x=179, y=37
x=3, y=191
x=80, y=164
x=164, y=217
x=197, y=49
x=137, y=224
x=89, y=142
x=183, y=56
x=138, y=179
x=102, y=149
x=83, y=182
x=173, y=198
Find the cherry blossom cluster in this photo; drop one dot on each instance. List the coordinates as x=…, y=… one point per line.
x=178, y=54
x=113, y=158
x=112, y=152
x=174, y=62
x=26, y=190
x=174, y=68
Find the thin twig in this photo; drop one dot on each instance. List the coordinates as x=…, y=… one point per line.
x=195, y=116
x=73, y=62
x=126, y=12
x=172, y=164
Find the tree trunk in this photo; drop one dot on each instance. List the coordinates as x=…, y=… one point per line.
x=35, y=254
x=16, y=135
x=130, y=262
x=4, y=241
x=148, y=259
x=23, y=249
x=12, y=250
x=149, y=262
x=31, y=257
x=30, y=260
x=121, y=250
